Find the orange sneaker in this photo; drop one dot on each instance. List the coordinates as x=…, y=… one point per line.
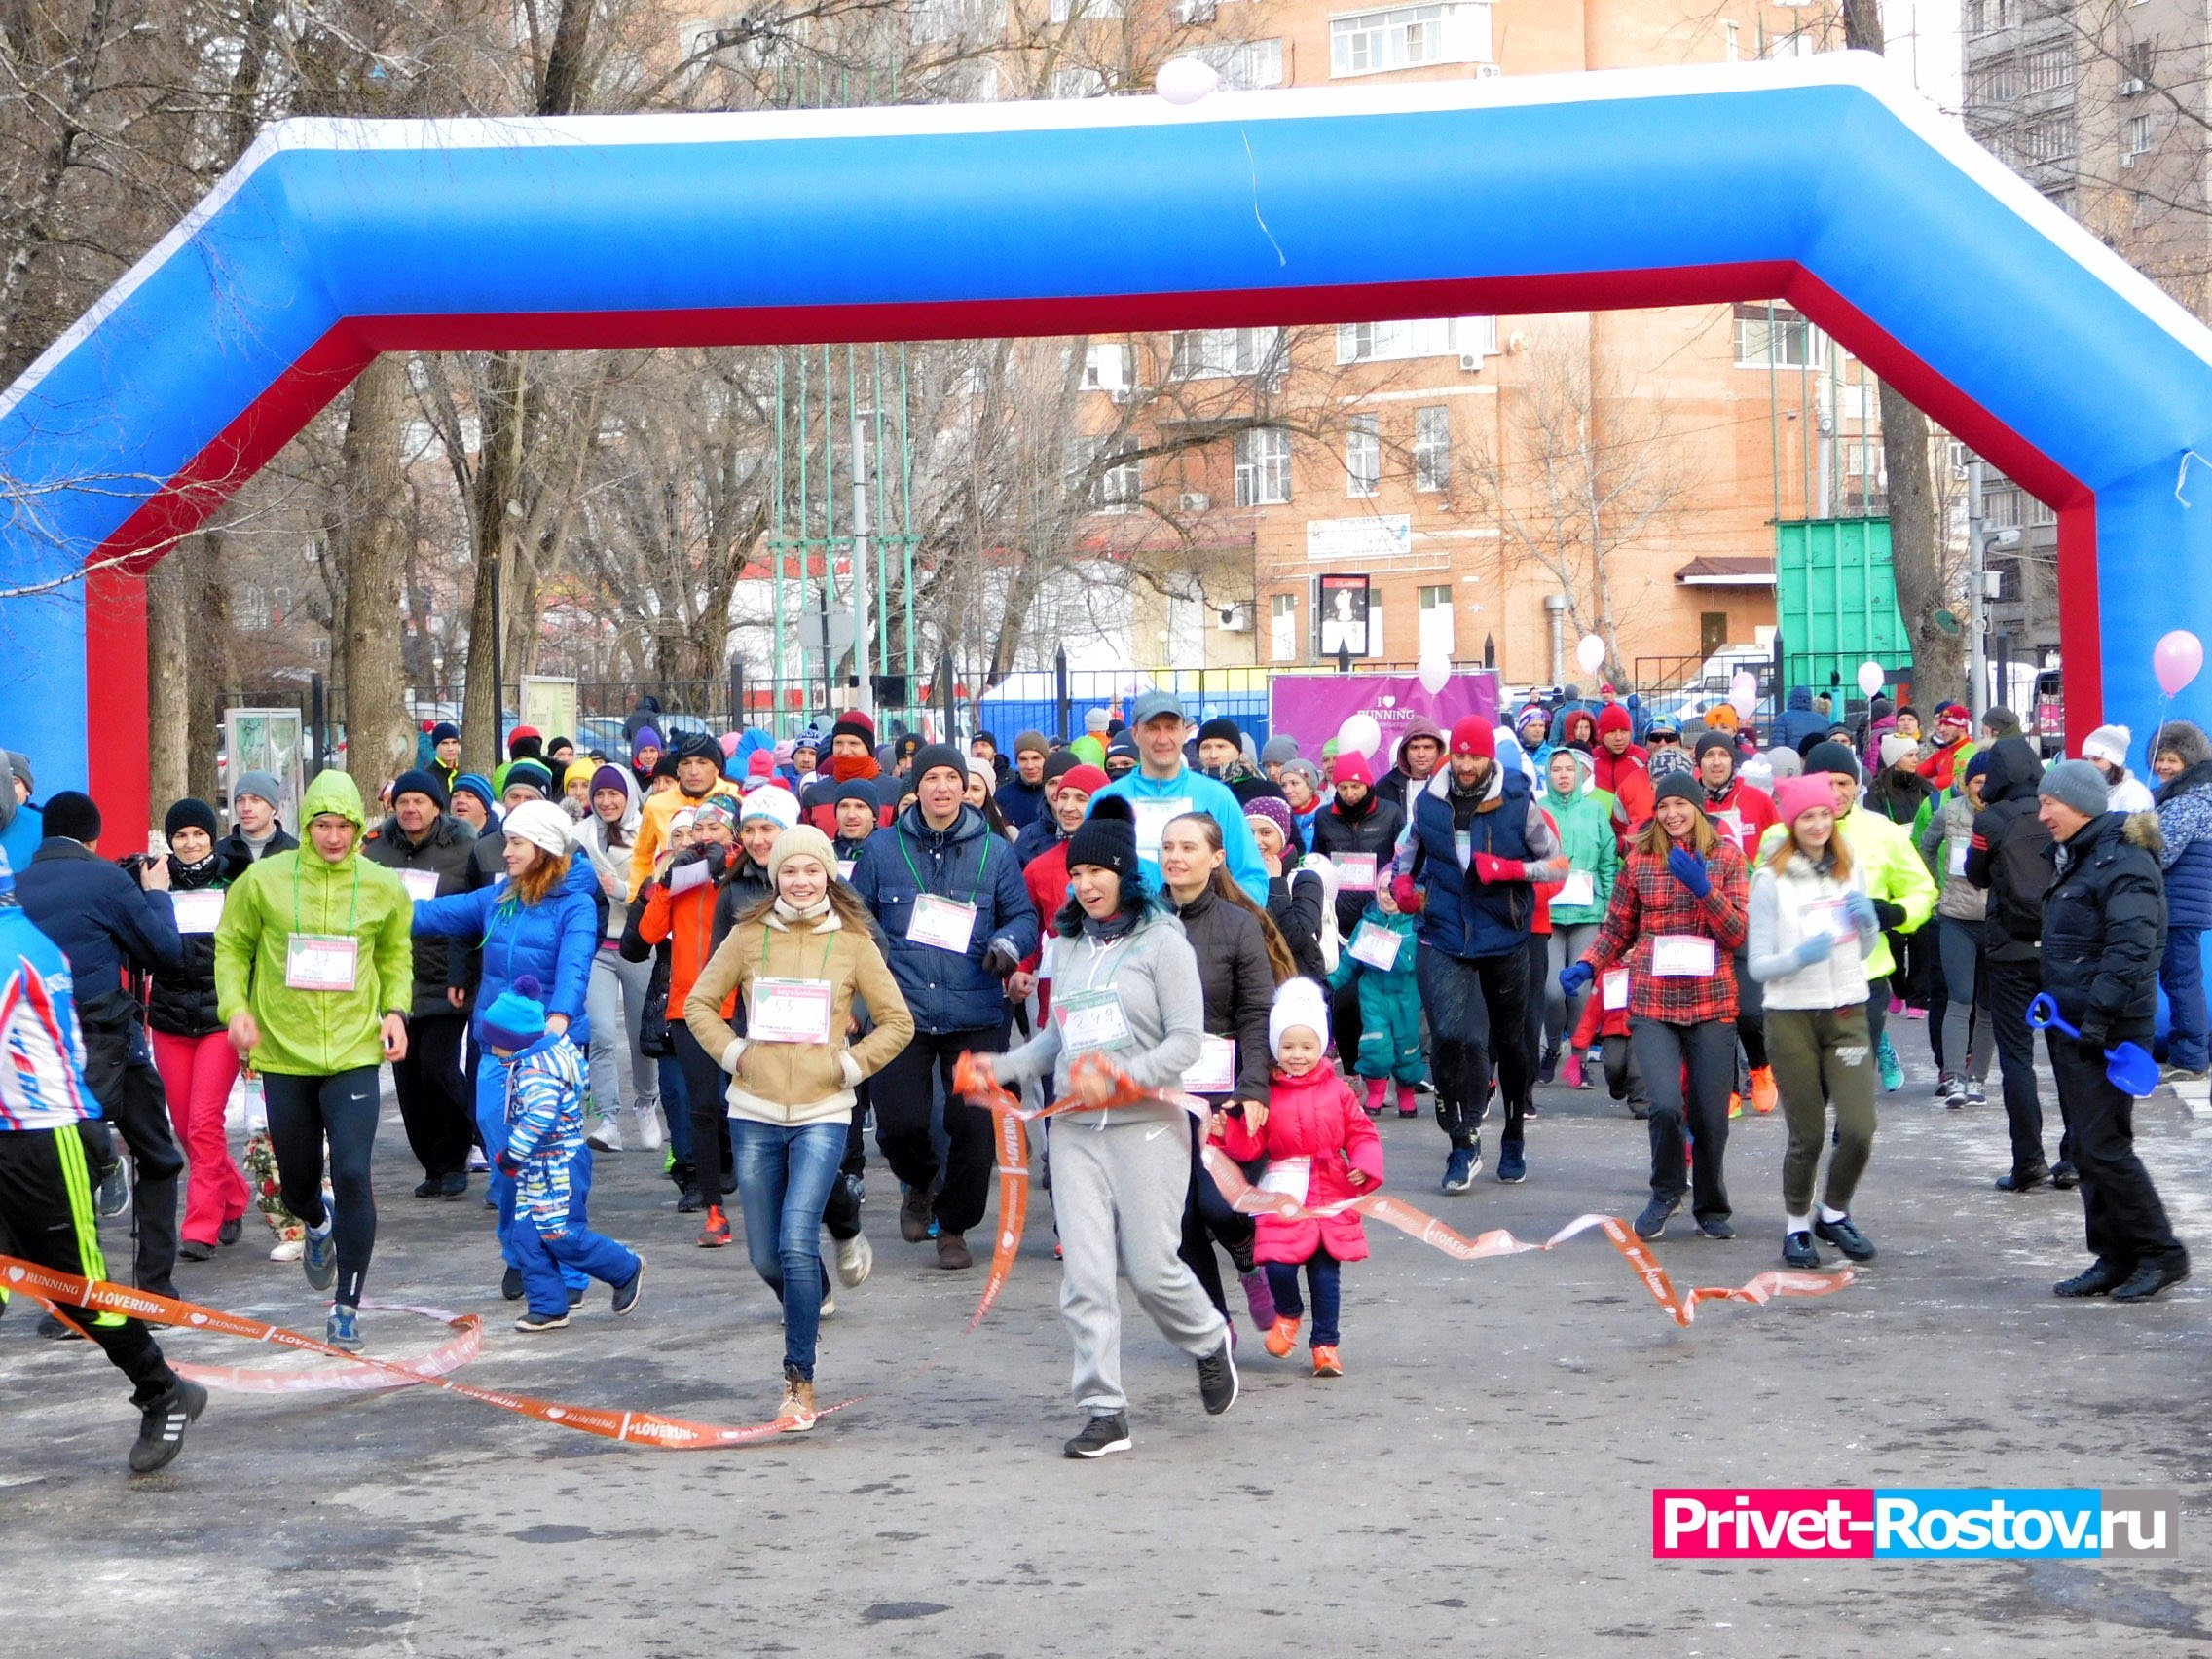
x=1282, y=1336
x=715, y=1234
x=1325, y=1361
x=1764, y=1096
x=1735, y=1104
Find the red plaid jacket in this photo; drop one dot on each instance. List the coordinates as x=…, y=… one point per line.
x=1648, y=902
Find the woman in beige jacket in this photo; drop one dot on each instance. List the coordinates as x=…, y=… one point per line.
x=801, y=960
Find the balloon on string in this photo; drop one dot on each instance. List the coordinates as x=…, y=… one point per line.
x=1360, y=735
x=1590, y=654
x=1435, y=672
x=1186, y=80
x=2177, y=659
x=1871, y=677
x=1744, y=693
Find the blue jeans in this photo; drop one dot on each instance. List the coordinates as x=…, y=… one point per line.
x=2182, y=973
x=491, y=1124
x=548, y=1258
x=1323, y=1274
x=675, y=1109
x=784, y=1177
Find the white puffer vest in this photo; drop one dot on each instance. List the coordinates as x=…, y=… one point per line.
x=1837, y=982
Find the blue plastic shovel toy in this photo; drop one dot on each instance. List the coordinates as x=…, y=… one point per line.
x=2129, y=1065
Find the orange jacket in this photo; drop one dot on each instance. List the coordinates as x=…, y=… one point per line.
x=688, y=921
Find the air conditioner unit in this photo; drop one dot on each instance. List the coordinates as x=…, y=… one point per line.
x=1235, y=618
x=2131, y=87
x=1470, y=362
x=1959, y=457
x=1195, y=10
x=1194, y=501
x=1487, y=71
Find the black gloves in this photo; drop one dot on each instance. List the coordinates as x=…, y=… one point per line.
x=1000, y=959
x=1890, y=916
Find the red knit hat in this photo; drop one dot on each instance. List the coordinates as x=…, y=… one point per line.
x=1614, y=717
x=1475, y=735
x=762, y=764
x=1353, y=769
x=1088, y=779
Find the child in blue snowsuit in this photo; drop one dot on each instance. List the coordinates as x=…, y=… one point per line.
x=545, y=1134
x=1389, y=1004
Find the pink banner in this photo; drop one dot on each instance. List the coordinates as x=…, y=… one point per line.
x=1312, y=707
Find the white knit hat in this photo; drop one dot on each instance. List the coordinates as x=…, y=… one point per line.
x=1299, y=1001
x=543, y=824
x=2109, y=743
x=771, y=801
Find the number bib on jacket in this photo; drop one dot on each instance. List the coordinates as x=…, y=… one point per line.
x=321, y=962
x=197, y=912
x=790, y=1011
x=1091, y=1020
x=1376, y=946
x=1355, y=872
x=1292, y=1177
x=1153, y=816
x=421, y=883
x=945, y=923
x=1682, y=956
x=1216, y=1070
x=1614, y=989
x=1579, y=892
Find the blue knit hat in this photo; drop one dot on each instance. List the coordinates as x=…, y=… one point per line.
x=517, y=1018
x=479, y=786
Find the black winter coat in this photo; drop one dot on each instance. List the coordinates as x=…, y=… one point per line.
x=2104, y=927
x=107, y=925
x=1239, y=983
x=1293, y=905
x=1375, y=831
x=2006, y=854
x=445, y=851
x=182, y=1004
x=235, y=845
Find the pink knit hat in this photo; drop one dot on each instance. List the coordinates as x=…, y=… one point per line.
x=1794, y=797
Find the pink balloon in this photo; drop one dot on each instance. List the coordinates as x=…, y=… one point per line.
x=2177, y=659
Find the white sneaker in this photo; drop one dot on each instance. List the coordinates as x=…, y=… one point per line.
x=649, y=1126
x=605, y=1135
x=288, y=1251
x=856, y=1256
x=828, y=1302
x=476, y=1162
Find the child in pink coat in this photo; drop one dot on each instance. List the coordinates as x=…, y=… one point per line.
x=1321, y=1149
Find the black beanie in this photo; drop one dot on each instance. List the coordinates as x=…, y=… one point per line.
x=1681, y=786
x=1223, y=728
x=191, y=814
x=931, y=755
x=1714, y=740
x=1060, y=763
x=1108, y=839
x=443, y=731
x=1832, y=756
x=73, y=816
x=858, y=788
x=422, y=782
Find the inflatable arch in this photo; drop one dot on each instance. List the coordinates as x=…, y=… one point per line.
x=1826, y=182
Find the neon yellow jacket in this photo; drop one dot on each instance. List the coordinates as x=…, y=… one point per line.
x=1892, y=869
x=307, y=1033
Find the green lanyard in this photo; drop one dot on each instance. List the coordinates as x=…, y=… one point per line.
x=981, y=865
x=826, y=951
x=353, y=908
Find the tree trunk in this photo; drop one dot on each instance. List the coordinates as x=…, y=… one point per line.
x=169, y=680
x=498, y=482
x=380, y=738
x=210, y=618
x=1938, y=657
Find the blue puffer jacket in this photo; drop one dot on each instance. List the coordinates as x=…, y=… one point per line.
x=2185, y=819
x=553, y=940
x=1799, y=721
x=1464, y=917
x=968, y=864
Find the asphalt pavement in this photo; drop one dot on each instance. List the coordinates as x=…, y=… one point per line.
x=1480, y=1478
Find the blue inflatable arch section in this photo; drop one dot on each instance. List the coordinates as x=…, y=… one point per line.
x=1826, y=182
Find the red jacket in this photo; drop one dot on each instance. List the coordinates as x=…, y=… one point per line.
x=1754, y=810
x=1316, y=1117
x=1941, y=765
x=1627, y=780
x=1597, y=1020
x=1047, y=878
x=1649, y=903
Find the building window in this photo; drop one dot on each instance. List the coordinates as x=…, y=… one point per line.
x=1063, y=10
x=1711, y=631
x=2138, y=136
x=1363, y=455
x=2047, y=138
x=1432, y=448
x=1436, y=634
x=1106, y=367
x=1775, y=336
x=2050, y=68
x=1997, y=83
x=1263, y=468
x=1115, y=487
x=1283, y=627
x=1732, y=41
x=1416, y=337
x=1246, y=66
x=1403, y=37
x=1198, y=353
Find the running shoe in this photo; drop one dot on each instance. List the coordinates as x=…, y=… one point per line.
x=605, y=1135
x=1798, y=1251
x=1845, y=1237
x=796, y=1412
x=318, y=1254
x=1217, y=1380
x=1459, y=1170
x=626, y=1293
x=856, y=1259
x=715, y=1236
x=161, y=1422
x=113, y=1195
x=1325, y=1361
x=647, y=1119
x=1512, y=1163
x=1765, y=1094
x=1652, y=1222
x=342, y=1330
x=1281, y=1337
x=1259, y=1297
x=531, y=1323
x=1109, y=1432
x=1893, y=1069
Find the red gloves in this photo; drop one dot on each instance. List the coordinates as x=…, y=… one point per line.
x=1408, y=898
x=1489, y=867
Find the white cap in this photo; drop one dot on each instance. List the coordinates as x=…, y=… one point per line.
x=541, y=823
x=1298, y=1001
x=771, y=801
x=2109, y=743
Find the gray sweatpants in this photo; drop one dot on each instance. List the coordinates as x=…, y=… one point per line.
x=614, y=999
x=1125, y=1182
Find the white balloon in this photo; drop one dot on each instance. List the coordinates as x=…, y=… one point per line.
x=1186, y=80
x=1744, y=693
x=1871, y=677
x=1360, y=735
x=1590, y=654
x=1436, y=673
